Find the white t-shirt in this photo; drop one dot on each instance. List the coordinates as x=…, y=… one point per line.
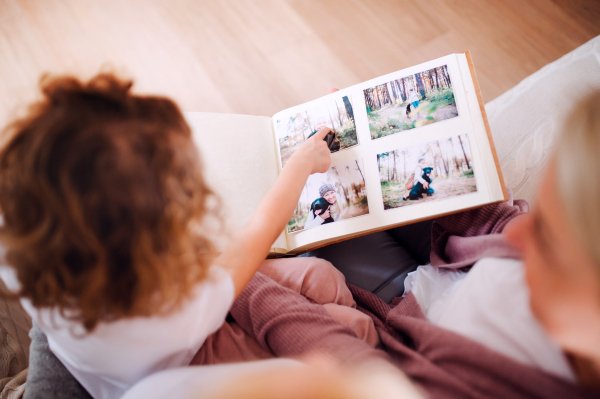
x=419, y=175
x=116, y=355
x=412, y=97
x=490, y=305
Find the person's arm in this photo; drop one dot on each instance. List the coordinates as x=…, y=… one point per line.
x=314, y=223
x=250, y=245
x=419, y=175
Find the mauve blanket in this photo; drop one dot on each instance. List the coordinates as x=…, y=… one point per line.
x=442, y=363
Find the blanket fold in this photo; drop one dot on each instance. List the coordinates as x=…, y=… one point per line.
x=444, y=364
x=288, y=325
x=462, y=239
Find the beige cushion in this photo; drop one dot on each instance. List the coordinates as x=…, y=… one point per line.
x=526, y=119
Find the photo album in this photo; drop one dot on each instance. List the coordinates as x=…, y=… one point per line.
x=405, y=147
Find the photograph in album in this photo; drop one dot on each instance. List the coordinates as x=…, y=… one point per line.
x=338, y=194
x=412, y=101
x=336, y=114
x=436, y=152
x=425, y=172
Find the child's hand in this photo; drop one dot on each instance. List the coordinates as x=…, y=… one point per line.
x=315, y=152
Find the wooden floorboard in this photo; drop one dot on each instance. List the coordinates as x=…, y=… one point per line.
x=261, y=56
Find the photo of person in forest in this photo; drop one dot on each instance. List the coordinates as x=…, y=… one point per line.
x=336, y=114
x=421, y=179
x=426, y=172
x=415, y=100
x=329, y=197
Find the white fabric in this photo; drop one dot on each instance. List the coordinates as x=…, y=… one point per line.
x=432, y=287
x=490, y=305
x=526, y=119
x=116, y=355
x=413, y=97
x=313, y=221
x=201, y=381
x=418, y=176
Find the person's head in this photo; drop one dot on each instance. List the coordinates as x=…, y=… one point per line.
x=422, y=162
x=560, y=239
x=317, y=378
x=102, y=200
x=321, y=123
x=320, y=207
x=327, y=191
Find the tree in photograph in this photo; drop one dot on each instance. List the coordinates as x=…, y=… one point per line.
x=376, y=99
x=339, y=185
x=348, y=106
x=387, y=94
x=391, y=91
x=442, y=156
x=404, y=152
x=377, y=102
x=426, y=76
x=330, y=118
x=454, y=158
x=420, y=84
x=414, y=84
x=404, y=89
x=435, y=78
x=360, y=171
x=382, y=95
x=306, y=194
x=395, y=171
x=309, y=126
x=369, y=98
x=353, y=187
x=400, y=84
x=397, y=95
x=379, y=156
x=445, y=69
x=464, y=153
x=433, y=157
x=445, y=81
x=388, y=156
x=339, y=114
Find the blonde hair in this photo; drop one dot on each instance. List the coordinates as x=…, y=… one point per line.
x=578, y=172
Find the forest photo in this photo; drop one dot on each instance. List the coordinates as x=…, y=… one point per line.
x=415, y=100
x=336, y=114
x=329, y=197
x=426, y=172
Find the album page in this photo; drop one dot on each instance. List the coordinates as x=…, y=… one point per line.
x=406, y=147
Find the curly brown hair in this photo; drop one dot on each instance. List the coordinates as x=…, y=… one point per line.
x=104, y=202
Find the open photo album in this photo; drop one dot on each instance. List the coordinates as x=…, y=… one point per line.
x=407, y=146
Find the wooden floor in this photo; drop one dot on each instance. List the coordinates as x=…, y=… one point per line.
x=261, y=56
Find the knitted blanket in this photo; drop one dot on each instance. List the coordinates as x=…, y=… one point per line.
x=442, y=363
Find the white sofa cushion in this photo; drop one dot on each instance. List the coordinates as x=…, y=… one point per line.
x=526, y=119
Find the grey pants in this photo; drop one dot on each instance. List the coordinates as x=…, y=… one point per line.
x=379, y=262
